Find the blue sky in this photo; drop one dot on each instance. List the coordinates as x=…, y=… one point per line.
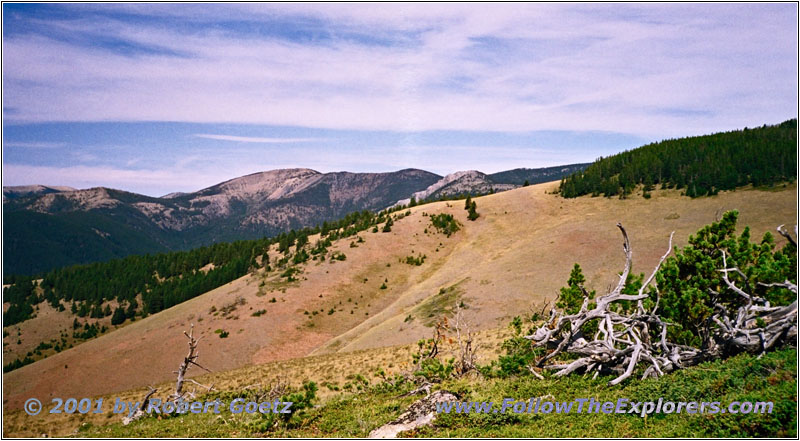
x=155, y=98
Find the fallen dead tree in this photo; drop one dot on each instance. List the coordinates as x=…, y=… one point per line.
x=627, y=337
x=421, y=413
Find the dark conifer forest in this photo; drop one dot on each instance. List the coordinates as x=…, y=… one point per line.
x=166, y=279
x=700, y=165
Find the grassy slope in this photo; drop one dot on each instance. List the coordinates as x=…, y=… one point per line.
x=512, y=259
x=517, y=255
x=742, y=378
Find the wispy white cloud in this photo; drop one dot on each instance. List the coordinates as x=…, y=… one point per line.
x=256, y=140
x=34, y=145
x=152, y=182
x=507, y=67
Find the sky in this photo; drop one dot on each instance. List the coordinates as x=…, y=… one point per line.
x=156, y=98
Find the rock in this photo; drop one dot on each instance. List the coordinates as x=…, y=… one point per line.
x=421, y=413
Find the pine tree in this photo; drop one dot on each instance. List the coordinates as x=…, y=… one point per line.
x=388, y=227
x=704, y=165
x=119, y=317
x=686, y=280
x=131, y=311
x=571, y=297
x=473, y=214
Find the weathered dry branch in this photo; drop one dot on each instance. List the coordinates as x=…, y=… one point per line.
x=188, y=361
x=786, y=234
x=140, y=411
x=625, y=340
x=467, y=358
x=179, y=394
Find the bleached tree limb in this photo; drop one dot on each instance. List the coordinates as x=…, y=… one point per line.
x=624, y=340
x=786, y=234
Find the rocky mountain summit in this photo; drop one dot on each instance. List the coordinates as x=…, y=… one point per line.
x=46, y=226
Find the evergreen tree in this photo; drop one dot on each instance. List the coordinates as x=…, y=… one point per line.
x=473, y=214
x=119, y=317
x=131, y=311
x=687, y=281
x=388, y=227
x=571, y=297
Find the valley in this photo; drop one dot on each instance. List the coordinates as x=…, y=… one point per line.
x=510, y=261
x=103, y=223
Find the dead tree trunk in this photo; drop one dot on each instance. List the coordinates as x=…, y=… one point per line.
x=467, y=358
x=188, y=361
x=179, y=394
x=623, y=340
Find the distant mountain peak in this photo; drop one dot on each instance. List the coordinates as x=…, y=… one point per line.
x=18, y=191
x=256, y=205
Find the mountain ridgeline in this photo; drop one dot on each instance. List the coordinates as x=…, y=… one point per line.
x=700, y=165
x=51, y=227
x=51, y=230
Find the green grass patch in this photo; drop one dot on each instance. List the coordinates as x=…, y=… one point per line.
x=439, y=305
x=741, y=378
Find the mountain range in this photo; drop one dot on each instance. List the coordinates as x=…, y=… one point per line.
x=47, y=227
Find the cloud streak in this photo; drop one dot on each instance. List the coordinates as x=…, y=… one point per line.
x=195, y=94
x=412, y=67
x=256, y=140
x=34, y=145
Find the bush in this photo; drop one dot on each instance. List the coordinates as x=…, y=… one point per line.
x=434, y=370
x=519, y=355
x=388, y=227
x=416, y=261
x=445, y=223
x=687, y=279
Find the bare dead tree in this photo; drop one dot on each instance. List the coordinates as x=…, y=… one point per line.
x=188, y=361
x=467, y=347
x=426, y=350
x=177, y=396
x=623, y=340
x=258, y=393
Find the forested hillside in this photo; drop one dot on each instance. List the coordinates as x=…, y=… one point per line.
x=702, y=165
x=47, y=229
x=166, y=279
